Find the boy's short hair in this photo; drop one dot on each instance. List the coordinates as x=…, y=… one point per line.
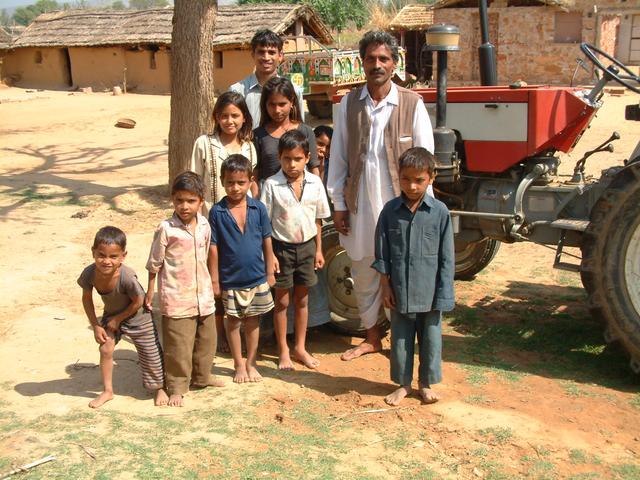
x=266, y=38
x=110, y=236
x=378, y=37
x=188, y=182
x=236, y=163
x=323, y=130
x=419, y=158
x=292, y=140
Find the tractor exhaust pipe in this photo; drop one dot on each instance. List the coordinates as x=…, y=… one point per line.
x=486, y=51
x=444, y=39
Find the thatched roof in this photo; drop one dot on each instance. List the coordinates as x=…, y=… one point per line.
x=412, y=17
x=5, y=39
x=561, y=4
x=235, y=25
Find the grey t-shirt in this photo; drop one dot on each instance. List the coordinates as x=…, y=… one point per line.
x=267, y=150
x=118, y=299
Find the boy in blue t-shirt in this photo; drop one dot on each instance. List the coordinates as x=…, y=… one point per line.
x=415, y=258
x=241, y=263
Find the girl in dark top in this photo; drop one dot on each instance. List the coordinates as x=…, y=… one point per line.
x=279, y=114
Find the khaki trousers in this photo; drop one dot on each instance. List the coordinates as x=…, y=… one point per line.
x=189, y=347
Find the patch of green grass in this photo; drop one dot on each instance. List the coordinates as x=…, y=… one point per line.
x=573, y=390
x=570, y=344
x=635, y=401
x=578, y=456
x=473, y=399
x=494, y=470
x=31, y=195
x=499, y=435
x=480, y=452
x=542, y=470
x=626, y=471
x=585, y=476
x=476, y=375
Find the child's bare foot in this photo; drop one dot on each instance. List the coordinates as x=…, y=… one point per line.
x=254, y=375
x=428, y=395
x=306, y=358
x=213, y=381
x=161, y=398
x=176, y=400
x=396, y=397
x=285, y=363
x=241, y=375
x=101, y=399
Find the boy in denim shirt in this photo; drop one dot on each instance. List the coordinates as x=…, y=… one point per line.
x=415, y=258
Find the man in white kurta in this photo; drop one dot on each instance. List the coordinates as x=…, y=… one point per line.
x=375, y=186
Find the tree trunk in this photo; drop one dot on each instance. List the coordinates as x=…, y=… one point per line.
x=191, y=78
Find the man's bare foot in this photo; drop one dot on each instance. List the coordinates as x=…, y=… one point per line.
x=176, y=400
x=285, y=363
x=241, y=375
x=161, y=398
x=213, y=381
x=428, y=395
x=396, y=397
x=101, y=399
x=306, y=359
x=254, y=375
x=360, y=350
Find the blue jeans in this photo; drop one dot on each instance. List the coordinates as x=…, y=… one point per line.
x=428, y=327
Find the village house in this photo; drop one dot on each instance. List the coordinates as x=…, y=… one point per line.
x=409, y=27
x=107, y=48
x=536, y=40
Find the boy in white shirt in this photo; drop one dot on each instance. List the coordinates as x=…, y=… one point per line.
x=296, y=203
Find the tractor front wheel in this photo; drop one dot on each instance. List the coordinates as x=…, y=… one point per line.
x=471, y=258
x=343, y=308
x=610, y=268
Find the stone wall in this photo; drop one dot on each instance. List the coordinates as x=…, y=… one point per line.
x=524, y=38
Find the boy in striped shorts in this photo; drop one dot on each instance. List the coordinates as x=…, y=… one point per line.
x=241, y=263
x=123, y=297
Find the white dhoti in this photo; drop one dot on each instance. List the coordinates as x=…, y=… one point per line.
x=366, y=286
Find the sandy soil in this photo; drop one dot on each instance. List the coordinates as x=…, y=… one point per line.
x=66, y=171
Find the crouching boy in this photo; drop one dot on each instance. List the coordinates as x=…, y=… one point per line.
x=415, y=258
x=123, y=297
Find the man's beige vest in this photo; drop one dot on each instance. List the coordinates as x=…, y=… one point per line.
x=398, y=137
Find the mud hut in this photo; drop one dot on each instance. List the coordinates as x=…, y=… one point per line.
x=409, y=26
x=104, y=48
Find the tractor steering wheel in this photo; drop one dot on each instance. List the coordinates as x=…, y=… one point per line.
x=590, y=51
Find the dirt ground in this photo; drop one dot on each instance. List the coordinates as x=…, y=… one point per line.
x=530, y=389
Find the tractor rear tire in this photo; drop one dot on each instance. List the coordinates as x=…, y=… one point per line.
x=610, y=267
x=343, y=309
x=471, y=258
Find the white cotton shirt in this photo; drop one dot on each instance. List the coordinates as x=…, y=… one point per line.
x=375, y=188
x=202, y=163
x=293, y=220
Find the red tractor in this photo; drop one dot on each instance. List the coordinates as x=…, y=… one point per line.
x=502, y=185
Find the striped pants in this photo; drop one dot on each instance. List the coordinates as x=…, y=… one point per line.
x=145, y=338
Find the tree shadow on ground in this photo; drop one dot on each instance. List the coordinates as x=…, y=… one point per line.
x=84, y=380
x=540, y=329
x=61, y=168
